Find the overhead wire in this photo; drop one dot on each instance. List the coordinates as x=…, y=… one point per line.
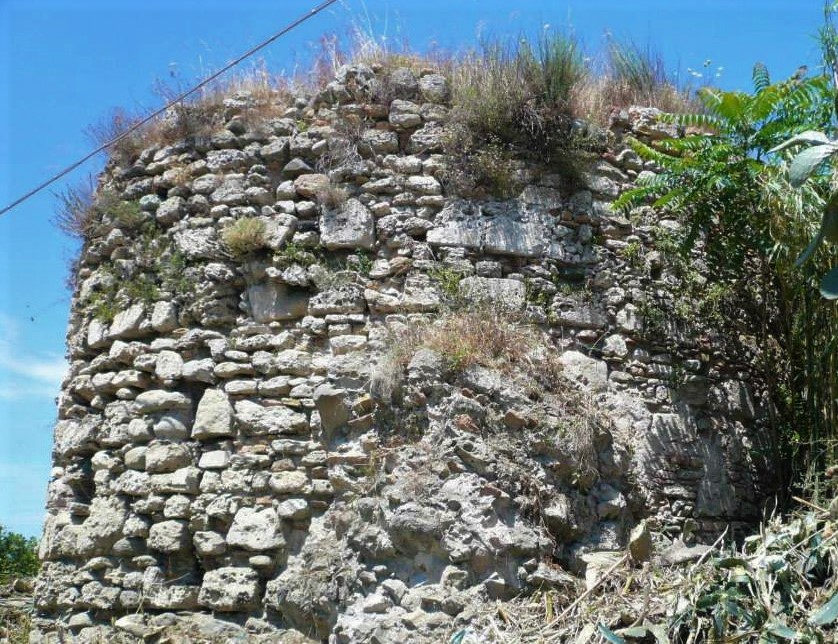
x=310, y=14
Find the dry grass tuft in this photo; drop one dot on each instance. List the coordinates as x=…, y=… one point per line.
x=482, y=336
x=245, y=236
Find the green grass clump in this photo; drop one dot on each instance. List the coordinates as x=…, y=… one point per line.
x=245, y=236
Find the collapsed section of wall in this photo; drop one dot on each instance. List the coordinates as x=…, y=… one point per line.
x=311, y=392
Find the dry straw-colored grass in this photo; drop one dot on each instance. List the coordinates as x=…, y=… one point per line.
x=505, y=92
x=476, y=336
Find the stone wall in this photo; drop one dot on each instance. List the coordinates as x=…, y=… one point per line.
x=256, y=444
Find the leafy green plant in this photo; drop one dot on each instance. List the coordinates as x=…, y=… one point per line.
x=727, y=182
x=448, y=280
x=142, y=287
x=633, y=253
x=18, y=555
x=245, y=236
x=292, y=254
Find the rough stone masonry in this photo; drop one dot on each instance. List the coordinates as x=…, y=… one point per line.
x=238, y=454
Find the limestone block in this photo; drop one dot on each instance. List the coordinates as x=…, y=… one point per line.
x=170, y=210
x=177, y=507
x=254, y=419
x=402, y=82
x=129, y=378
x=230, y=192
x=734, y=398
x=167, y=596
x=229, y=589
x=209, y=544
x=506, y=236
x=214, y=460
x=169, y=536
x=343, y=344
x=97, y=334
x=293, y=509
x=579, y=316
x=159, y=400
x=542, y=196
x=224, y=160
x=509, y=294
x=289, y=482
x=169, y=365
x=214, y=416
x=340, y=300
x=427, y=139
x=198, y=243
x=75, y=436
x=424, y=185
x=271, y=301
x=127, y=323
x=404, y=114
x=332, y=406
x=166, y=457
x=183, y=481
x=434, y=88
x=292, y=362
x=172, y=425
x=255, y=530
x=276, y=151
x=615, y=347
x=466, y=233
x=131, y=483
x=205, y=184
x=590, y=372
x=379, y=141
x=349, y=226
x=135, y=458
x=97, y=534
x=310, y=185
x=199, y=370
x=279, y=230
x=419, y=295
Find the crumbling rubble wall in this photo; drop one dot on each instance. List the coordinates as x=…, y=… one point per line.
x=236, y=439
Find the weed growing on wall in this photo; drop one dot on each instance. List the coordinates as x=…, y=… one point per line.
x=245, y=236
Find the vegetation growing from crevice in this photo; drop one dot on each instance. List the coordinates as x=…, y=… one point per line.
x=730, y=188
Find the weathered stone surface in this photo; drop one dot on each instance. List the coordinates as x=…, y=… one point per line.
x=255, y=530
x=229, y=589
x=169, y=365
x=209, y=544
x=349, y=226
x=310, y=185
x=289, y=439
x=198, y=243
x=169, y=536
x=254, y=419
x=163, y=457
x=270, y=302
x=434, y=88
x=591, y=373
x=214, y=416
x=159, y=400
x=508, y=294
x=127, y=323
x=331, y=403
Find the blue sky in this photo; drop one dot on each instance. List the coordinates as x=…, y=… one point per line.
x=64, y=64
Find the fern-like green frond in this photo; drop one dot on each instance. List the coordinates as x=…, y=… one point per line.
x=633, y=198
x=649, y=153
x=702, y=121
x=760, y=77
x=687, y=144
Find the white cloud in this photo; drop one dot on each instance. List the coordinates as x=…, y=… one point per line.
x=22, y=372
